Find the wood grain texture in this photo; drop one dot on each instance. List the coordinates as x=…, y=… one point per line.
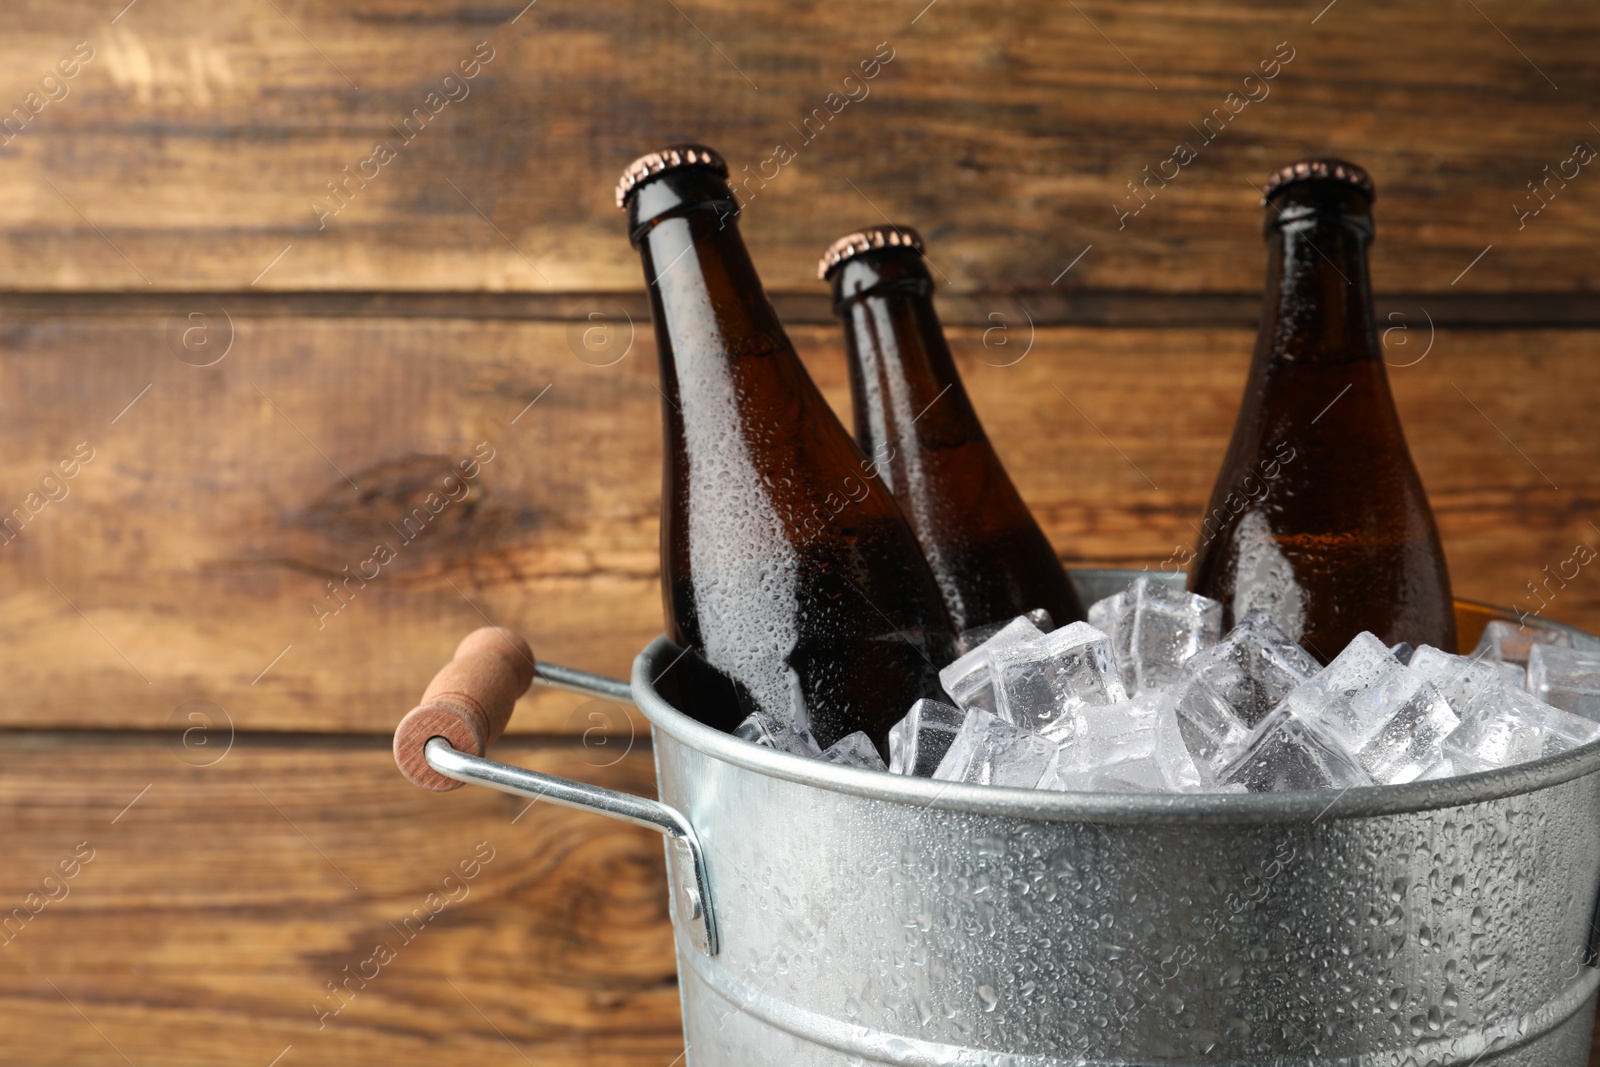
x=475, y=293
x=188, y=152
x=215, y=909
x=187, y=556
x=1125, y=308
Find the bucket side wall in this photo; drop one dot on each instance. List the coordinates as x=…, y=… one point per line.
x=876, y=923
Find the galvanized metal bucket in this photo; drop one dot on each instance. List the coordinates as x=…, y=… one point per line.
x=828, y=915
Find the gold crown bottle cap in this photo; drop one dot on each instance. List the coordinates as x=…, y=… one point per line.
x=672, y=157
x=1320, y=170
x=853, y=244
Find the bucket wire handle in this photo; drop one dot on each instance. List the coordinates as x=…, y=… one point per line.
x=441, y=744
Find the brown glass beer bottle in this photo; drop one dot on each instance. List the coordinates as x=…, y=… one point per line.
x=1318, y=515
x=918, y=427
x=785, y=563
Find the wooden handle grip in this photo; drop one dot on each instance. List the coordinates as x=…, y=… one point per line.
x=468, y=703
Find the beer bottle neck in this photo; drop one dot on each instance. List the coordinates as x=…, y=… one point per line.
x=905, y=385
x=1318, y=306
x=704, y=290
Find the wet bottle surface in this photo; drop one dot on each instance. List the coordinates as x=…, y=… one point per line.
x=917, y=425
x=788, y=568
x=1318, y=514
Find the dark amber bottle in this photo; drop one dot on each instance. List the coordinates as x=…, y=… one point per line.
x=1318, y=515
x=784, y=563
x=918, y=427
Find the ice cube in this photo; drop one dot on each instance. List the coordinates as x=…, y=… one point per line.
x=1506, y=726
x=971, y=639
x=1154, y=628
x=1227, y=689
x=1512, y=674
x=1490, y=741
x=1064, y=779
x=1107, y=734
x=855, y=750
x=1412, y=738
x=1402, y=651
x=969, y=681
x=1443, y=769
x=1462, y=680
x=1036, y=683
x=1390, y=717
x=1179, y=769
x=990, y=751
x=1566, y=678
x=1210, y=730
x=1253, y=668
x=1285, y=753
x=919, y=741
x=1330, y=697
x=1132, y=746
x=1143, y=774
x=1510, y=643
x=765, y=730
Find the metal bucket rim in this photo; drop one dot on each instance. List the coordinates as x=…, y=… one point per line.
x=1106, y=808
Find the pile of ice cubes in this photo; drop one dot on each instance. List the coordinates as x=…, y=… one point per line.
x=1149, y=696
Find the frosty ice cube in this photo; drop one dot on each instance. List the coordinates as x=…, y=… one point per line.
x=1108, y=734
x=1506, y=674
x=1390, y=717
x=764, y=730
x=1227, y=689
x=1143, y=774
x=1465, y=681
x=1411, y=739
x=971, y=639
x=1179, y=770
x=1284, y=753
x=1462, y=680
x=968, y=680
x=1512, y=674
x=1132, y=746
x=855, y=750
x=1506, y=726
x=1061, y=778
x=990, y=751
x=1566, y=678
x=1036, y=683
x=1443, y=769
x=1510, y=643
x=1253, y=668
x=1210, y=730
x=919, y=741
x=1154, y=628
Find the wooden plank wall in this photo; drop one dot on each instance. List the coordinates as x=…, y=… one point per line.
x=254, y=379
